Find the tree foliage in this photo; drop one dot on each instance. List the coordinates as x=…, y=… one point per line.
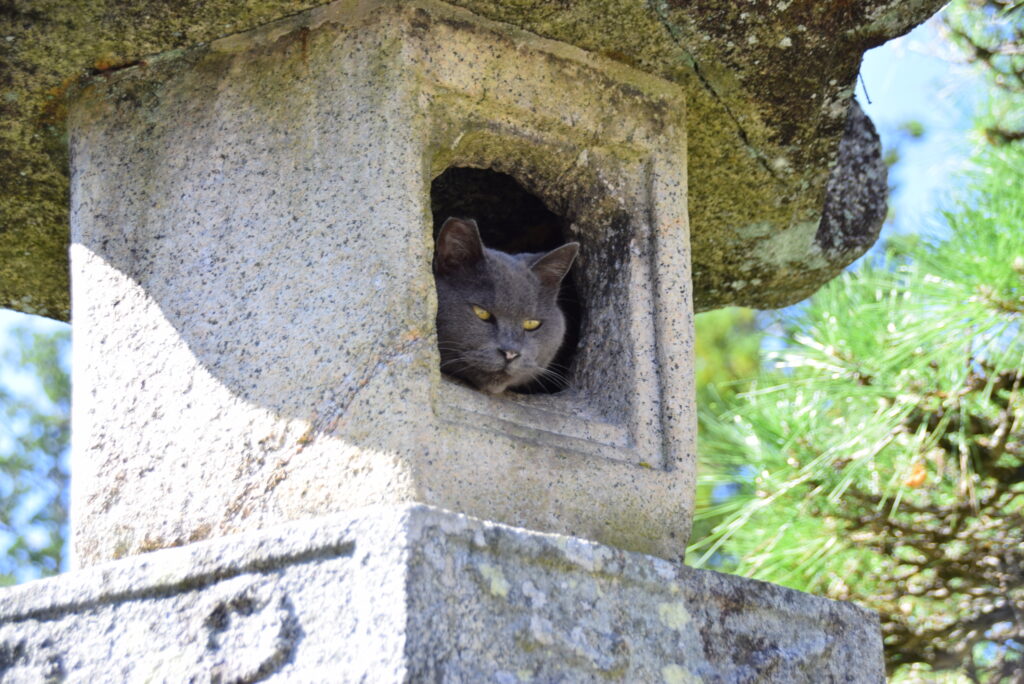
x=727, y=349
x=33, y=454
x=991, y=34
x=881, y=456
x=882, y=459
x=727, y=354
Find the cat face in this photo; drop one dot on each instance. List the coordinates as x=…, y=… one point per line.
x=498, y=321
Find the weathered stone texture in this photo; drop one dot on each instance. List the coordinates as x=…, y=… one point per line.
x=854, y=210
x=768, y=88
x=414, y=594
x=45, y=46
x=254, y=305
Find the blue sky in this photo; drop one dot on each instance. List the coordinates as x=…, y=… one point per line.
x=918, y=78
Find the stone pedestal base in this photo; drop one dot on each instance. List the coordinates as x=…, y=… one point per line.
x=413, y=593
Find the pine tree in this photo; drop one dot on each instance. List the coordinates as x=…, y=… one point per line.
x=882, y=459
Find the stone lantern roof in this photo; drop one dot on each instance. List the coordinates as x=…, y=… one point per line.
x=786, y=183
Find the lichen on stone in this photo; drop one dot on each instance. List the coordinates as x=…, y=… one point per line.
x=767, y=90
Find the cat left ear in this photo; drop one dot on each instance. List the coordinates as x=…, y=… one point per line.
x=553, y=266
x=458, y=245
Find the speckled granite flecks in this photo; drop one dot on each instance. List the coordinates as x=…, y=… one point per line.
x=254, y=306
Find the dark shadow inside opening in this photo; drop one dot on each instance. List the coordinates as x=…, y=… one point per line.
x=512, y=220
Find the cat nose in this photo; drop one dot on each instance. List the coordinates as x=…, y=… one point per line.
x=510, y=354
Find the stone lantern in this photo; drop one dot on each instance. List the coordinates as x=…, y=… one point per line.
x=272, y=477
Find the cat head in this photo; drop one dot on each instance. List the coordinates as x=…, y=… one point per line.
x=498, y=321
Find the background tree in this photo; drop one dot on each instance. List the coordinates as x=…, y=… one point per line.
x=881, y=459
x=991, y=34
x=34, y=405
x=727, y=355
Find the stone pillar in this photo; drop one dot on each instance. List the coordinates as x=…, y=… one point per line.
x=254, y=305
x=257, y=382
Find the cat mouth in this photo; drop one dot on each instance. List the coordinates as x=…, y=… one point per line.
x=499, y=381
x=487, y=373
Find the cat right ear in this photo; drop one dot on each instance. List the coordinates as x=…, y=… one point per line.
x=553, y=266
x=458, y=246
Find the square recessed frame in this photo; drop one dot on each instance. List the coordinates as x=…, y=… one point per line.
x=616, y=405
x=603, y=146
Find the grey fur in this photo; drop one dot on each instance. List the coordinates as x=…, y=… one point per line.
x=513, y=288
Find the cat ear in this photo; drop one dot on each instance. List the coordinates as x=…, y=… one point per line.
x=553, y=266
x=458, y=245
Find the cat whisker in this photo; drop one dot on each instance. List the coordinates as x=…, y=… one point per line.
x=463, y=365
x=564, y=377
x=558, y=380
x=549, y=386
x=560, y=377
x=542, y=382
x=556, y=369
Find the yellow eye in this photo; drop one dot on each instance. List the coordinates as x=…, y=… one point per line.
x=482, y=314
x=531, y=324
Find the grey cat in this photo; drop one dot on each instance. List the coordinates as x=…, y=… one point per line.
x=498, y=321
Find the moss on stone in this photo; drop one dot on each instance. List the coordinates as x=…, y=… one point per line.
x=767, y=94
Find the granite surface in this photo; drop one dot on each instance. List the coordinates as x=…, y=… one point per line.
x=414, y=594
x=254, y=304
